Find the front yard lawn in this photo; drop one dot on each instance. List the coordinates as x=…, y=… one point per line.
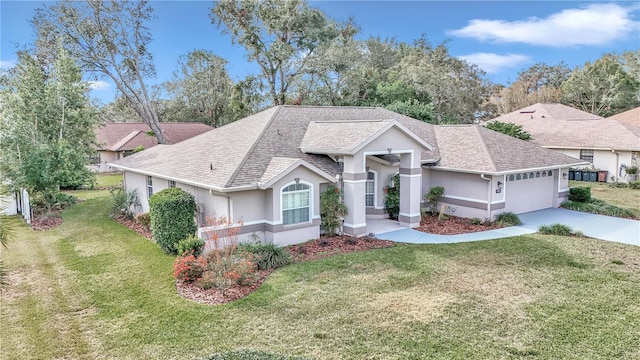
x=93, y=289
x=622, y=197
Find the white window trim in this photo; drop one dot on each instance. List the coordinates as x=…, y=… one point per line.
x=311, y=197
x=375, y=193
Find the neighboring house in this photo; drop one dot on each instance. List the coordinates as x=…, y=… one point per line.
x=270, y=168
x=630, y=117
x=606, y=144
x=117, y=140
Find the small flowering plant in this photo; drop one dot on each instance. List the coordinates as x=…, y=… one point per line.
x=189, y=268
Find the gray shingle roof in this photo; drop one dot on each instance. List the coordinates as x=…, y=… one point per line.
x=630, y=117
x=561, y=126
x=128, y=136
x=259, y=147
x=478, y=149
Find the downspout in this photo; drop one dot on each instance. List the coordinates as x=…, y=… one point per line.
x=488, y=195
x=228, y=197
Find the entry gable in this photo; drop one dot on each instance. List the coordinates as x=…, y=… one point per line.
x=349, y=137
x=281, y=166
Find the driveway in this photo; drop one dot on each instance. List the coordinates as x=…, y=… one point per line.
x=597, y=226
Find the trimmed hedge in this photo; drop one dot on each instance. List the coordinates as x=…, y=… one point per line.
x=580, y=194
x=172, y=214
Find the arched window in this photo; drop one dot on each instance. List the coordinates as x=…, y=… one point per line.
x=511, y=177
x=537, y=174
x=550, y=173
x=296, y=204
x=370, y=189
x=525, y=176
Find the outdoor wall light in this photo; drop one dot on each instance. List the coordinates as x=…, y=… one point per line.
x=499, y=183
x=297, y=180
x=564, y=175
x=389, y=150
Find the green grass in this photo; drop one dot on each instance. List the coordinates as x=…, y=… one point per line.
x=109, y=180
x=622, y=197
x=92, y=289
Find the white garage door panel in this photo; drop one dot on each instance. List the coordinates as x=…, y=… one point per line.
x=529, y=195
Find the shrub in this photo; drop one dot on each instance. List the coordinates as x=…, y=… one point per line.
x=618, y=185
x=392, y=197
x=192, y=244
x=508, y=219
x=433, y=196
x=222, y=272
x=580, y=194
x=189, y=267
x=172, y=213
x=555, y=229
x=143, y=219
x=267, y=256
x=597, y=206
x=246, y=354
x=124, y=202
x=634, y=185
x=332, y=210
x=476, y=221
x=632, y=170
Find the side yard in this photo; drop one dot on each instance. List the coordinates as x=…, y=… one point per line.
x=92, y=288
x=623, y=197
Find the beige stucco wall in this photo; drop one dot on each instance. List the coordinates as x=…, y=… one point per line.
x=605, y=160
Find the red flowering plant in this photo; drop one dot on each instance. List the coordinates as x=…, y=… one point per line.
x=188, y=267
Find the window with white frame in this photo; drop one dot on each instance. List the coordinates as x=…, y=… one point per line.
x=149, y=187
x=586, y=155
x=370, y=189
x=296, y=204
x=172, y=184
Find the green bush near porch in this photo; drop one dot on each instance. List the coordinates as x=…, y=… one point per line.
x=172, y=213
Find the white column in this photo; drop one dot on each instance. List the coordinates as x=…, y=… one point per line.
x=355, y=223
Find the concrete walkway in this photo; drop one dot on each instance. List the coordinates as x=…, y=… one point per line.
x=602, y=227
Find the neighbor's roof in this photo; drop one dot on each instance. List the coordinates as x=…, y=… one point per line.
x=261, y=147
x=128, y=136
x=477, y=149
x=629, y=117
x=561, y=126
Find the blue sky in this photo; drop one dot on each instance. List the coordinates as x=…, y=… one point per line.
x=502, y=37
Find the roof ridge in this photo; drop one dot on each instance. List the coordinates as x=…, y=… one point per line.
x=234, y=175
x=484, y=145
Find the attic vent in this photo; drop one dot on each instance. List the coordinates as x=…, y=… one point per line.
x=527, y=111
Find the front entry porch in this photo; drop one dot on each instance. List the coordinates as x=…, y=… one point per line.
x=379, y=226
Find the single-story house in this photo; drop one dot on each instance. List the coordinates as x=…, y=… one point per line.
x=270, y=168
x=117, y=140
x=607, y=144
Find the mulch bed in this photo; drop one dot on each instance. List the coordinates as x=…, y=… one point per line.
x=310, y=250
x=134, y=225
x=41, y=223
x=453, y=225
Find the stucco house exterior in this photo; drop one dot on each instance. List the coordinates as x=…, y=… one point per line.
x=117, y=140
x=270, y=168
x=606, y=144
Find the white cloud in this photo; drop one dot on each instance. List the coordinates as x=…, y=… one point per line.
x=99, y=85
x=595, y=24
x=6, y=64
x=493, y=63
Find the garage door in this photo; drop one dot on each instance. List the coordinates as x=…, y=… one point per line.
x=529, y=191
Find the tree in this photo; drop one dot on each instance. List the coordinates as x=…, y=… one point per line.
x=332, y=210
x=541, y=83
x=201, y=89
x=107, y=38
x=602, y=88
x=280, y=36
x=47, y=127
x=510, y=129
